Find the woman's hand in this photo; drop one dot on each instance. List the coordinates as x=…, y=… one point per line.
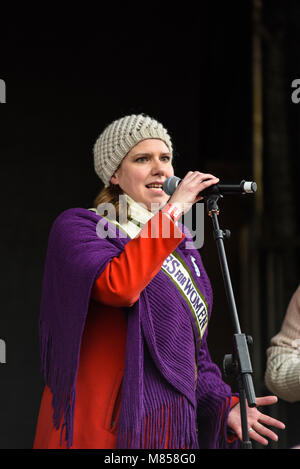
x=256, y=421
x=187, y=191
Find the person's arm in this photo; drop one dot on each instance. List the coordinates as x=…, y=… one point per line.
x=123, y=279
x=282, y=375
x=230, y=403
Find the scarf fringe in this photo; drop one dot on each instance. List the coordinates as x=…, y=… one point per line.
x=172, y=426
x=61, y=385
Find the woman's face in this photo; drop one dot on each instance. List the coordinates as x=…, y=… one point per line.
x=148, y=163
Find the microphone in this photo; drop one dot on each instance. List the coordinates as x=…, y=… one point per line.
x=245, y=187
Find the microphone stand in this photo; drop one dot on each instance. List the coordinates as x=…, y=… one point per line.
x=238, y=363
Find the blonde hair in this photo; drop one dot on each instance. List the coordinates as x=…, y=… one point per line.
x=111, y=194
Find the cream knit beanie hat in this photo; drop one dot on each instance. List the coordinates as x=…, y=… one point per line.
x=120, y=137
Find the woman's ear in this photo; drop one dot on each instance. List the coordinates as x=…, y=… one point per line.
x=114, y=179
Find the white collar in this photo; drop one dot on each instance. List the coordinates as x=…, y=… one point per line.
x=137, y=217
x=137, y=212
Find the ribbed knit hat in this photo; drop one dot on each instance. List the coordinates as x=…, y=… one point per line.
x=120, y=137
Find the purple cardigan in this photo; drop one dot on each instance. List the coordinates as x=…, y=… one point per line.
x=159, y=377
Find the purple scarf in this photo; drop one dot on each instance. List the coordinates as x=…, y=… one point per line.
x=158, y=391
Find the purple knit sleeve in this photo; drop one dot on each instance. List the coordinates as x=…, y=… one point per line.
x=213, y=402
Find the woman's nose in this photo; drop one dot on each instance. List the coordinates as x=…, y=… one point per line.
x=158, y=167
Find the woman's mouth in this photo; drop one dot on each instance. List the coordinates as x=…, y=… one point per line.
x=155, y=187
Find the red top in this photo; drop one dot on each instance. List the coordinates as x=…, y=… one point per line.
x=102, y=354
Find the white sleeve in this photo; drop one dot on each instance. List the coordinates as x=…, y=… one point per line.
x=282, y=375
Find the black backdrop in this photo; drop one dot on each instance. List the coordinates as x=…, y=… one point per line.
x=65, y=80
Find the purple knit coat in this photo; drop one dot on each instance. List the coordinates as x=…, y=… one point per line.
x=159, y=379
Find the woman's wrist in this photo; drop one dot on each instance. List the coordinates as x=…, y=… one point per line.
x=173, y=210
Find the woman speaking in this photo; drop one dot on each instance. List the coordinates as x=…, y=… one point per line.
x=124, y=312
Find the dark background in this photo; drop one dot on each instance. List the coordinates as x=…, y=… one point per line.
x=68, y=75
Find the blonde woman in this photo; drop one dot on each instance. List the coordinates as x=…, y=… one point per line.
x=125, y=309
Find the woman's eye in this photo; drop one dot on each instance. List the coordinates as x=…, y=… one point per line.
x=141, y=159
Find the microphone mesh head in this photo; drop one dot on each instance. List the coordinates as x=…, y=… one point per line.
x=170, y=184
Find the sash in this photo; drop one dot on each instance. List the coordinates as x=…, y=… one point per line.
x=180, y=275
